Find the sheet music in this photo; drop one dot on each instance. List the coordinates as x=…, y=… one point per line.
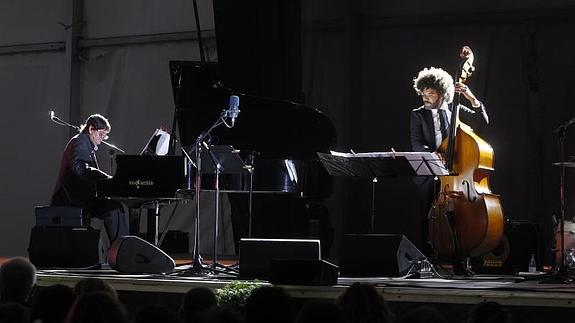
x=424, y=163
x=387, y=154
x=158, y=144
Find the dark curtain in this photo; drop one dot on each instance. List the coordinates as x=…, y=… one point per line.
x=359, y=60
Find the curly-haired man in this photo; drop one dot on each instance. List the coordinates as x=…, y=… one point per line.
x=429, y=126
x=430, y=122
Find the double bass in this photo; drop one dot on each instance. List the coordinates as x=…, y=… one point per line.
x=466, y=219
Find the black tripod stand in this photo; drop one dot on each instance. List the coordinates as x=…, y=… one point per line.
x=196, y=267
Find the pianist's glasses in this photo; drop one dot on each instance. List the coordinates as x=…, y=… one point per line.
x=103, y=133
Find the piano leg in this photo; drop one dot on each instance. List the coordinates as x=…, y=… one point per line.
x=116, y=224
x=134, y=221
x=152, y=215
x=152, y=221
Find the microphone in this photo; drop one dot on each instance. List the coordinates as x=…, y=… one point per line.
x=54, y=118
x=233, y=110
x=60, y=122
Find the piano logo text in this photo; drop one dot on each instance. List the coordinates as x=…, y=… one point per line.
x=139, y=183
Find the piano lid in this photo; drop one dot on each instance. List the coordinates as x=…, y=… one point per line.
x=274, y=128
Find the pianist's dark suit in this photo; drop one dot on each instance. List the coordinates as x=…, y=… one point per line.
x=76, y=185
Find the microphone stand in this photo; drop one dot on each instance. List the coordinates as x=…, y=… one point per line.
x=113, y=147
x=61, y=122
x=197, y=268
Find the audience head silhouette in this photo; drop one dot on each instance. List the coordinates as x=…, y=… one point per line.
x=90, y=285
x=363, y=303
x=51, y=304
x=17, y=278
x=97, y=307
x=197, y=300
x=269, y=304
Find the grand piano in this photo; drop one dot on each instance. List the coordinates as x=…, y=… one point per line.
x=279, y=138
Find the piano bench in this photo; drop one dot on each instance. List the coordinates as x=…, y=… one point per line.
x=59, y=216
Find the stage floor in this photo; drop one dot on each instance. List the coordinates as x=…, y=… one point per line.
x=524, y=297
x=506, y=290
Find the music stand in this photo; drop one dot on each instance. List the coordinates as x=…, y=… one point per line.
x=375, y=165
x=383, y=164
x=222, y=159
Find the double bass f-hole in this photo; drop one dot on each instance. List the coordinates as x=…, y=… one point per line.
x=468, y=188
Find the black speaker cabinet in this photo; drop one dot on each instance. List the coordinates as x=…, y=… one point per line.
x=64, y=247
x=512, y=255
x=377, y=255
x=256, y=255
x=303, y=272
x=130, y=254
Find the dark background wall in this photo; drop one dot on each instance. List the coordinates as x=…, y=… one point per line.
x=359, y=59
x=355, y=60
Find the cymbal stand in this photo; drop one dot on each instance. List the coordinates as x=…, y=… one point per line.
x=561, y=268
x=561, y=273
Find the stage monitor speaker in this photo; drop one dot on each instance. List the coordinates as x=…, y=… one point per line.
x=256, y=255
x=130, y=254
x=377, y=255
x=64, y=247
x=303, y=272
x=513, y=253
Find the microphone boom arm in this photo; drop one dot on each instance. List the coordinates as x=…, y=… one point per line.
x=61, y=122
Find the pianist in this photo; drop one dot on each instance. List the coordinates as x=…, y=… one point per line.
x=79, y=172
